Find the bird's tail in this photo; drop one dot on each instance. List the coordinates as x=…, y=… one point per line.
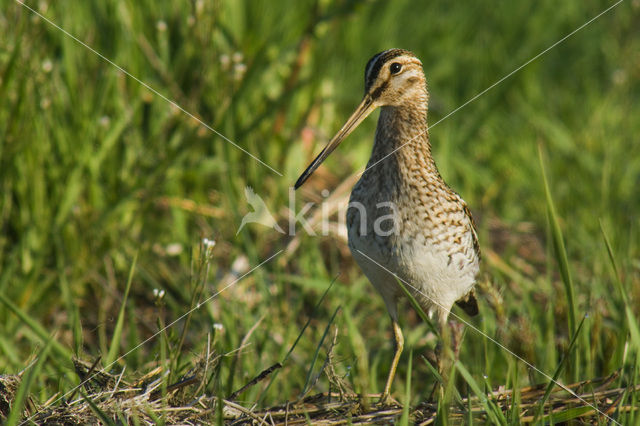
x=469, y=303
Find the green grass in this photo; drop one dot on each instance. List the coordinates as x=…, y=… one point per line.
x=96, y=171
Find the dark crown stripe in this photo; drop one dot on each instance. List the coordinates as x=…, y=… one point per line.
x=375, y=64
x=367, y=69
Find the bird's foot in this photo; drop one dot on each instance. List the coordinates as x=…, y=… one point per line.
x=386, y=400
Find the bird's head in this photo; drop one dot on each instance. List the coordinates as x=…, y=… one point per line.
x=392, y=78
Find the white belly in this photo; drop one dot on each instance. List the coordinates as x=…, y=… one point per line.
x=436, y=275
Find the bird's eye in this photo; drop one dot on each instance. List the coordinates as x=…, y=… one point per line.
x=395, y=68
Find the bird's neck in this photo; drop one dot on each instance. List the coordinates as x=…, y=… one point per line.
x=402, y=140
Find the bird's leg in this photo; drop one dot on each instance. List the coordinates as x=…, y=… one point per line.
x=442, y=356
x=399, y=345
x=443, y=349
x=457, y=335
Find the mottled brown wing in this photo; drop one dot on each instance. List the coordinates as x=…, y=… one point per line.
x=469, y=303
x=476, y=245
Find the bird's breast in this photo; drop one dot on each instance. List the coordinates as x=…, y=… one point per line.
x=416, y=230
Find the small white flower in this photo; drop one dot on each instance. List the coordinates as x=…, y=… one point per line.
x=47, y=65
x=225, y=61
x=199, y=6
x=218, y=327
x=174, y=249
x=238, y=57
x=619, y=76
x=161, y=26
x=209, y=244
x=43, y=6
x=239, y=70
x=158, y=293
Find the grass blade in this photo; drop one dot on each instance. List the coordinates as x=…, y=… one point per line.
x=632, y=322
x=489, y=407
x=295, y=343
x=433, y=370
x=418, y=308
x=559, y=369
x=23, y=391
x=36, y=327
x=406, y=409
x=614, y=265
x=104, y=418
x=311, y=317
x=305, y=389
x=566, y=415
x=559, y=248
x=71, y=307
x=117, y=332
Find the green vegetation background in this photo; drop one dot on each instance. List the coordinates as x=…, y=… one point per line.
x=95, y=170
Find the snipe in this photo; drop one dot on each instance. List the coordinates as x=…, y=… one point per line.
x=403, y=219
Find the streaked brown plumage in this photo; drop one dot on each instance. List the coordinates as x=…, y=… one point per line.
x=403, y=218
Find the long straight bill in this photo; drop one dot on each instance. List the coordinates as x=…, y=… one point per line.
x=361, y=112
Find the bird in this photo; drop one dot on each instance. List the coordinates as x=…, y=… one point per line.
x=405, y=224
